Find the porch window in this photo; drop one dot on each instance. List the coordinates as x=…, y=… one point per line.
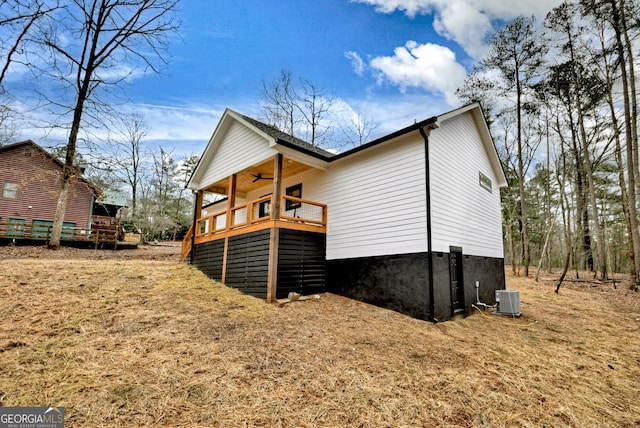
x=264, y=209
x=296, y=192
x=10, y=190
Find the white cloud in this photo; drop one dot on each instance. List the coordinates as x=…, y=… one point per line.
x=410, y=7
x=391, y=113
x=356, y=62
x=428, y=66
x=467, y=22
x=464, y=24
x=182, y=127
x=119, y=72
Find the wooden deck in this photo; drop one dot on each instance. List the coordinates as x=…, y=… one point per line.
x=98, y=237
x=256, y=215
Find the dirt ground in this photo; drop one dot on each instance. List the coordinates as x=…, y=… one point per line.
x=168, y=251
x=133, y=339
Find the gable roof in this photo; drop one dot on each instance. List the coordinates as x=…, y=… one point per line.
x=277, y=137
x=274, y=137
x=55, y=160
x=432, y=123
x=485, y=134
x=288, y=140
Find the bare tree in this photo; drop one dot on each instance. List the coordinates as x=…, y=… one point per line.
x=297, y=107
x=315, y=107
x=607, y=71
x=17, y=19
x=8, y=129
x=127, y=158
x=357, y=126
x=517, y=53
x=279, y=101
x=183, y=173
x=614, y=13
x=582, y=90
x=95, y=44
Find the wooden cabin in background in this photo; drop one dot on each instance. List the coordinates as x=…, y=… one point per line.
x=410, y=221
x=30, y=182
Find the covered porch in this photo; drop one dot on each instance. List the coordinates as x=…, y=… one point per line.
x=260, y=236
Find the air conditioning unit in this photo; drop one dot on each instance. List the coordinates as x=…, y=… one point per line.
x=508, y=303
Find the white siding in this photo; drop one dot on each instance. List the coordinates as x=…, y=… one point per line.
x=376, y=200
x=463, y=214
x=377, y=197
x=240, y=148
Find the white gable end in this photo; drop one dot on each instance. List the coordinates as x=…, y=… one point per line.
x=239, y=148
x=464, y=213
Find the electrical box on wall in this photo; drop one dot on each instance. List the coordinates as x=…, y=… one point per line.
x=508, y=303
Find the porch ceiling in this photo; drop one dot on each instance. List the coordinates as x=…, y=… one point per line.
x=247, y=180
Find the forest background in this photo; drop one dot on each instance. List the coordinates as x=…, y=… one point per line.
x=559, y=94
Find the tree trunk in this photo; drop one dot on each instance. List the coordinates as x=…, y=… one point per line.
x=512, y=248
x=631, y=171
x=566, y=217
x=544, y=250
x=548, y=191
x=602, y=257
x=565, y=268
x=622, y=182
x=582, y=215
x=633, y=96
x=68, y=169
x=588, y=165
x=521, y=179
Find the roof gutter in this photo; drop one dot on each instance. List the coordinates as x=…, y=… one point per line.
x=430, y=123
x=425, y=134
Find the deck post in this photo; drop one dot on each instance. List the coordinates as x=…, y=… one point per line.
x=197, y=213
x=277, y=186
x=272, y=272
x=198, y=206
x=230, y=204
x=225, y=251
x=274, y=236
x=232, y=199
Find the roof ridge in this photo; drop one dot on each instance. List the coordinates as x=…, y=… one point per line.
x=57, y=161
x=284, y=137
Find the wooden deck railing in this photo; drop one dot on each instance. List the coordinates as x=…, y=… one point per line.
x=186, y=244
x=293, y=210
x=42, y=232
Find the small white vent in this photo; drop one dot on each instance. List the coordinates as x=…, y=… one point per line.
x=508, y=302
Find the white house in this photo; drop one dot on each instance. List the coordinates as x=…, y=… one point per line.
x=410, y=221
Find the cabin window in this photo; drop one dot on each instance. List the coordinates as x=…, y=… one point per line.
x=296, y=192
x=10, y=190
x=485, y=182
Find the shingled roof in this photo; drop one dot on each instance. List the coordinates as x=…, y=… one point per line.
x=288, y=140
x=55, y=160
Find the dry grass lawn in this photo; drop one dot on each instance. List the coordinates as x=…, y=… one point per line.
x=135, y=342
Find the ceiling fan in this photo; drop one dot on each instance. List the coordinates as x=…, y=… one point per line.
x=259, y=176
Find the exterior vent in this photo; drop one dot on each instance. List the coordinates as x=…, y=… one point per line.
x=508, y=302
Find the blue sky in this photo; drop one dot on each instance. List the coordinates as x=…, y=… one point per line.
x=402, y=59
x=228, y=49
